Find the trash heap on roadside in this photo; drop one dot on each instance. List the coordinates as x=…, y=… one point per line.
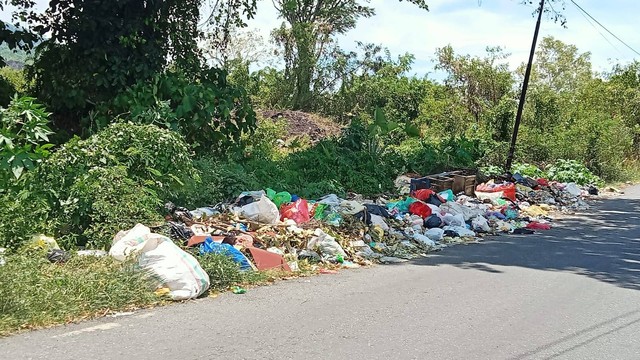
x=267, y=229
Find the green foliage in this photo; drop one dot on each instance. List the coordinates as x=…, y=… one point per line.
x=102, y=202
x=528, y=170
x=12, y=82
x=222, y=270
x=24, y=137
x=310, y=37
x=208, y=112
x=572, y=171
x=36, y=293
x=91, y=188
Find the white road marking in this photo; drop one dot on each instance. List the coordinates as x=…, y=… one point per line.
x=106, y=326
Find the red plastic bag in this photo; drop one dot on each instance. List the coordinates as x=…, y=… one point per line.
x=543, y=182
x=423, y=194
x=421, y=209
x=297, y=211
x=538, y=226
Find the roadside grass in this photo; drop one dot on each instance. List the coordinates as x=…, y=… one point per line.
x=35, y=293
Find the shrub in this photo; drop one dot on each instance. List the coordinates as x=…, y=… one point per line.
x=24, y=137
x=572, y=171
x=92, y=188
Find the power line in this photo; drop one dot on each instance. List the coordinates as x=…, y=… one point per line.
x=607, y=30
x=600, y=32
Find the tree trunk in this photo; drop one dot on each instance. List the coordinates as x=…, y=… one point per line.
x=304, y=66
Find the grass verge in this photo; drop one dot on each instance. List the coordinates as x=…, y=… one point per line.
x=35, y=293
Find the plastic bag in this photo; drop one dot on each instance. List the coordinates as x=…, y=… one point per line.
x=491, y=191
x=297, y=211
x=402, y=205
x=330, y=200
x=538, y=226
x=480, y=223
x=326, y=245
x=211, y=247
x=454, y=220
x=455, y=209
x=432, y=221
x=447, y=195
x=573, y=189
x=174, y=268
x=421, y=209
x=262, y=211
x=425, y=240
x=377, y=220
x=435, y=234
x=423, y=194
x=279, y=198
x=460, y=230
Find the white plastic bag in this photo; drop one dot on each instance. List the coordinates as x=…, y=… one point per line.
x=325, y=244
x=461, y=231
x=573, y=189
x=174, y=268
x=453, y=220
x=455, y=209
x=377, y=220
x=435, y=234
x=480, y=223
x=262, y=211
x=424, y=240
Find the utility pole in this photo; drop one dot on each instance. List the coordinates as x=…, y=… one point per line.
x=523, y=94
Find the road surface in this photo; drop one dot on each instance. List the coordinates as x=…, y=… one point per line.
x=570, y=293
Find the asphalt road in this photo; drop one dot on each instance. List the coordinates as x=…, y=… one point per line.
x=571, y=293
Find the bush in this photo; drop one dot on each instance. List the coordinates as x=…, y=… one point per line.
x=572, y=171
x=24, y=137
x=36, y=293
x=91, y=188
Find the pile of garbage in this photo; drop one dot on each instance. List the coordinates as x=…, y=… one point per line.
x=266, y=229
x=356, y=231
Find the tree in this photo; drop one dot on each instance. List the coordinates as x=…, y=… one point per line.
x=96, y=49
x=308, y=33
x=482, y=84
x=560, y=66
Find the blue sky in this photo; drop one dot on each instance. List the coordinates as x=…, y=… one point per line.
x=472, y=25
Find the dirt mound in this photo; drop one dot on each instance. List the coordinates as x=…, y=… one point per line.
x=301, y=123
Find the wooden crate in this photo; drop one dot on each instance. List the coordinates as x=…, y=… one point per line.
x=462, y=183
x=440, y=183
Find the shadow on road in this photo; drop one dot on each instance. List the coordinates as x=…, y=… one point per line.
x=603, y=244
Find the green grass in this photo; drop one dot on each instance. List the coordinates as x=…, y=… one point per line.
x=35, y=293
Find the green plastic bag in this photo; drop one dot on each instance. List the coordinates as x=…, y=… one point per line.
x=278, y=198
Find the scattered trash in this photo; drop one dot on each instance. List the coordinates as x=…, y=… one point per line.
x=210, y=246
x=58, y=256
x=238, y=290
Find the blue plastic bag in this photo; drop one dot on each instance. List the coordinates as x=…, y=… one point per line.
x=210, y=246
